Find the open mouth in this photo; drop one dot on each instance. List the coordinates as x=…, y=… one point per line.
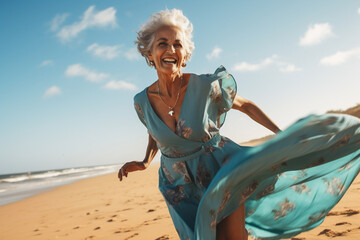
x=169, y=60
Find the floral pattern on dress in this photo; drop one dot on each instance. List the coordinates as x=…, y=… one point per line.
x=301, y=188
x=349, y=164
x=284, y=208
x=249, y=189
x=268, y=190
x=230, y=94
x=175, y=196
x=328, y=121
x=209, y=149
x=276, y=167
x=168, y=175
x=138, y=108
x=203, y=176
x=216, y=94
x=225, y=200
x=318, y=162
x=315, y=218
x=301, y=174
x=342, y=142
x=176, y=153
x=210, y=130
x=221, y=111
x=181, y=168
x=250, y=212
x=222, y=142
x=181, y=130
x=213, y=217
x=334, y=186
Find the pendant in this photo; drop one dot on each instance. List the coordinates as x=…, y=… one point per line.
x=171, y=113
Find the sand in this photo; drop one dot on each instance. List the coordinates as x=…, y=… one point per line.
x=104, y=208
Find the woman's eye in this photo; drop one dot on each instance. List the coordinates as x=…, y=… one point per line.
x=162, y=44
x=177, y=45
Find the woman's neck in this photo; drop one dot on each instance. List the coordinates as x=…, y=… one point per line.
x=169, y=84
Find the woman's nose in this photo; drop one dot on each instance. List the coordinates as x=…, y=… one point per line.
x=171, y=49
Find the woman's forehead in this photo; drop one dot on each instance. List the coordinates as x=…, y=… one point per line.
x=168, y=33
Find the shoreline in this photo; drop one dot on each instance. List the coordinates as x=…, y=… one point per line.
x=101, y=207
x=19, y=186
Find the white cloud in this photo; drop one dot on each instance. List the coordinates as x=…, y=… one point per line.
x=104, y=52
x=77, y=70
x=214, y=54
x=289, y=68
x=340, y=57
x=273, y=60
x=90, y=19
x=46, y=63
x=249, y=67
x=359, y=11
x=57, y=21
x=132, y=54
x=117, y=85
x=52, y=91
x=316, y=33
x=246, y=67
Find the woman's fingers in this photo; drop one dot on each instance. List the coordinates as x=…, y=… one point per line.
x=122, y=173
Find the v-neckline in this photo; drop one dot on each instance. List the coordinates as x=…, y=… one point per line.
x=181, y=109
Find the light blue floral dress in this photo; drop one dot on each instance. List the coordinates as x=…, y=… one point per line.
x=288, y=184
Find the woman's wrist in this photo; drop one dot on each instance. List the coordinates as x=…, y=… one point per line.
x=145, y=163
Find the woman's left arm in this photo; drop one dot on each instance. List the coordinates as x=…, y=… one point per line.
x=254, y=112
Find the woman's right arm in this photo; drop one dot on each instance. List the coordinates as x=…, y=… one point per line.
x=151, y=151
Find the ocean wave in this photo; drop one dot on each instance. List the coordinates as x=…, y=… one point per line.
x=23, y=177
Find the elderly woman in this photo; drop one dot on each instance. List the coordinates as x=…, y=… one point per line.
x=210, y=183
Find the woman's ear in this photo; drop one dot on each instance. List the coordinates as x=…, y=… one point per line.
x=150, y=56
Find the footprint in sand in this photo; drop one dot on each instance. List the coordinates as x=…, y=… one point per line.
x=97, y=228
x=135, y=234
x=110, y=220
x=348, y=213
x=89, y=237
x=114, y=216
x=330, y=233
x=342, y=223
x=125, y=209
x=151, y=210
x=77, y=227
x=295, y=238
x=165, y=237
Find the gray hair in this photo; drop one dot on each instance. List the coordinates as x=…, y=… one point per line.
x=172, y=18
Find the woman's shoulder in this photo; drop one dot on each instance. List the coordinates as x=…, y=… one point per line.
x=140, y=97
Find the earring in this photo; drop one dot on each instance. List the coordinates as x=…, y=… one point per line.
x=183, y=65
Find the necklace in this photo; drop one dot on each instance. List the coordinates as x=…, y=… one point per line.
x=171, y=112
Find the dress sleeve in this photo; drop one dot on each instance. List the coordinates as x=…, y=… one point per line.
x=222, y=94
x=139, y=110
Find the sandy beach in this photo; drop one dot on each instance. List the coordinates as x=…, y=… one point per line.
x=104, y=208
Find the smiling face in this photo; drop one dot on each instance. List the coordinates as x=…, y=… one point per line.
x=167, y=51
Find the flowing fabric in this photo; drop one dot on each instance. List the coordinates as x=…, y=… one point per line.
x=288, y=184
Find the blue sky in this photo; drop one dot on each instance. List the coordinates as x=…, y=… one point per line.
x=69, y=71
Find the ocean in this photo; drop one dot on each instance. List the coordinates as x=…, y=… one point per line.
x=14, y=187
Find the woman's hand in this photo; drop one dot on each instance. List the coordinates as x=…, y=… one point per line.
x=131, y=167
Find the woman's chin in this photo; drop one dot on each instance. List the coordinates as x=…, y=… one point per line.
x=168, y=69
